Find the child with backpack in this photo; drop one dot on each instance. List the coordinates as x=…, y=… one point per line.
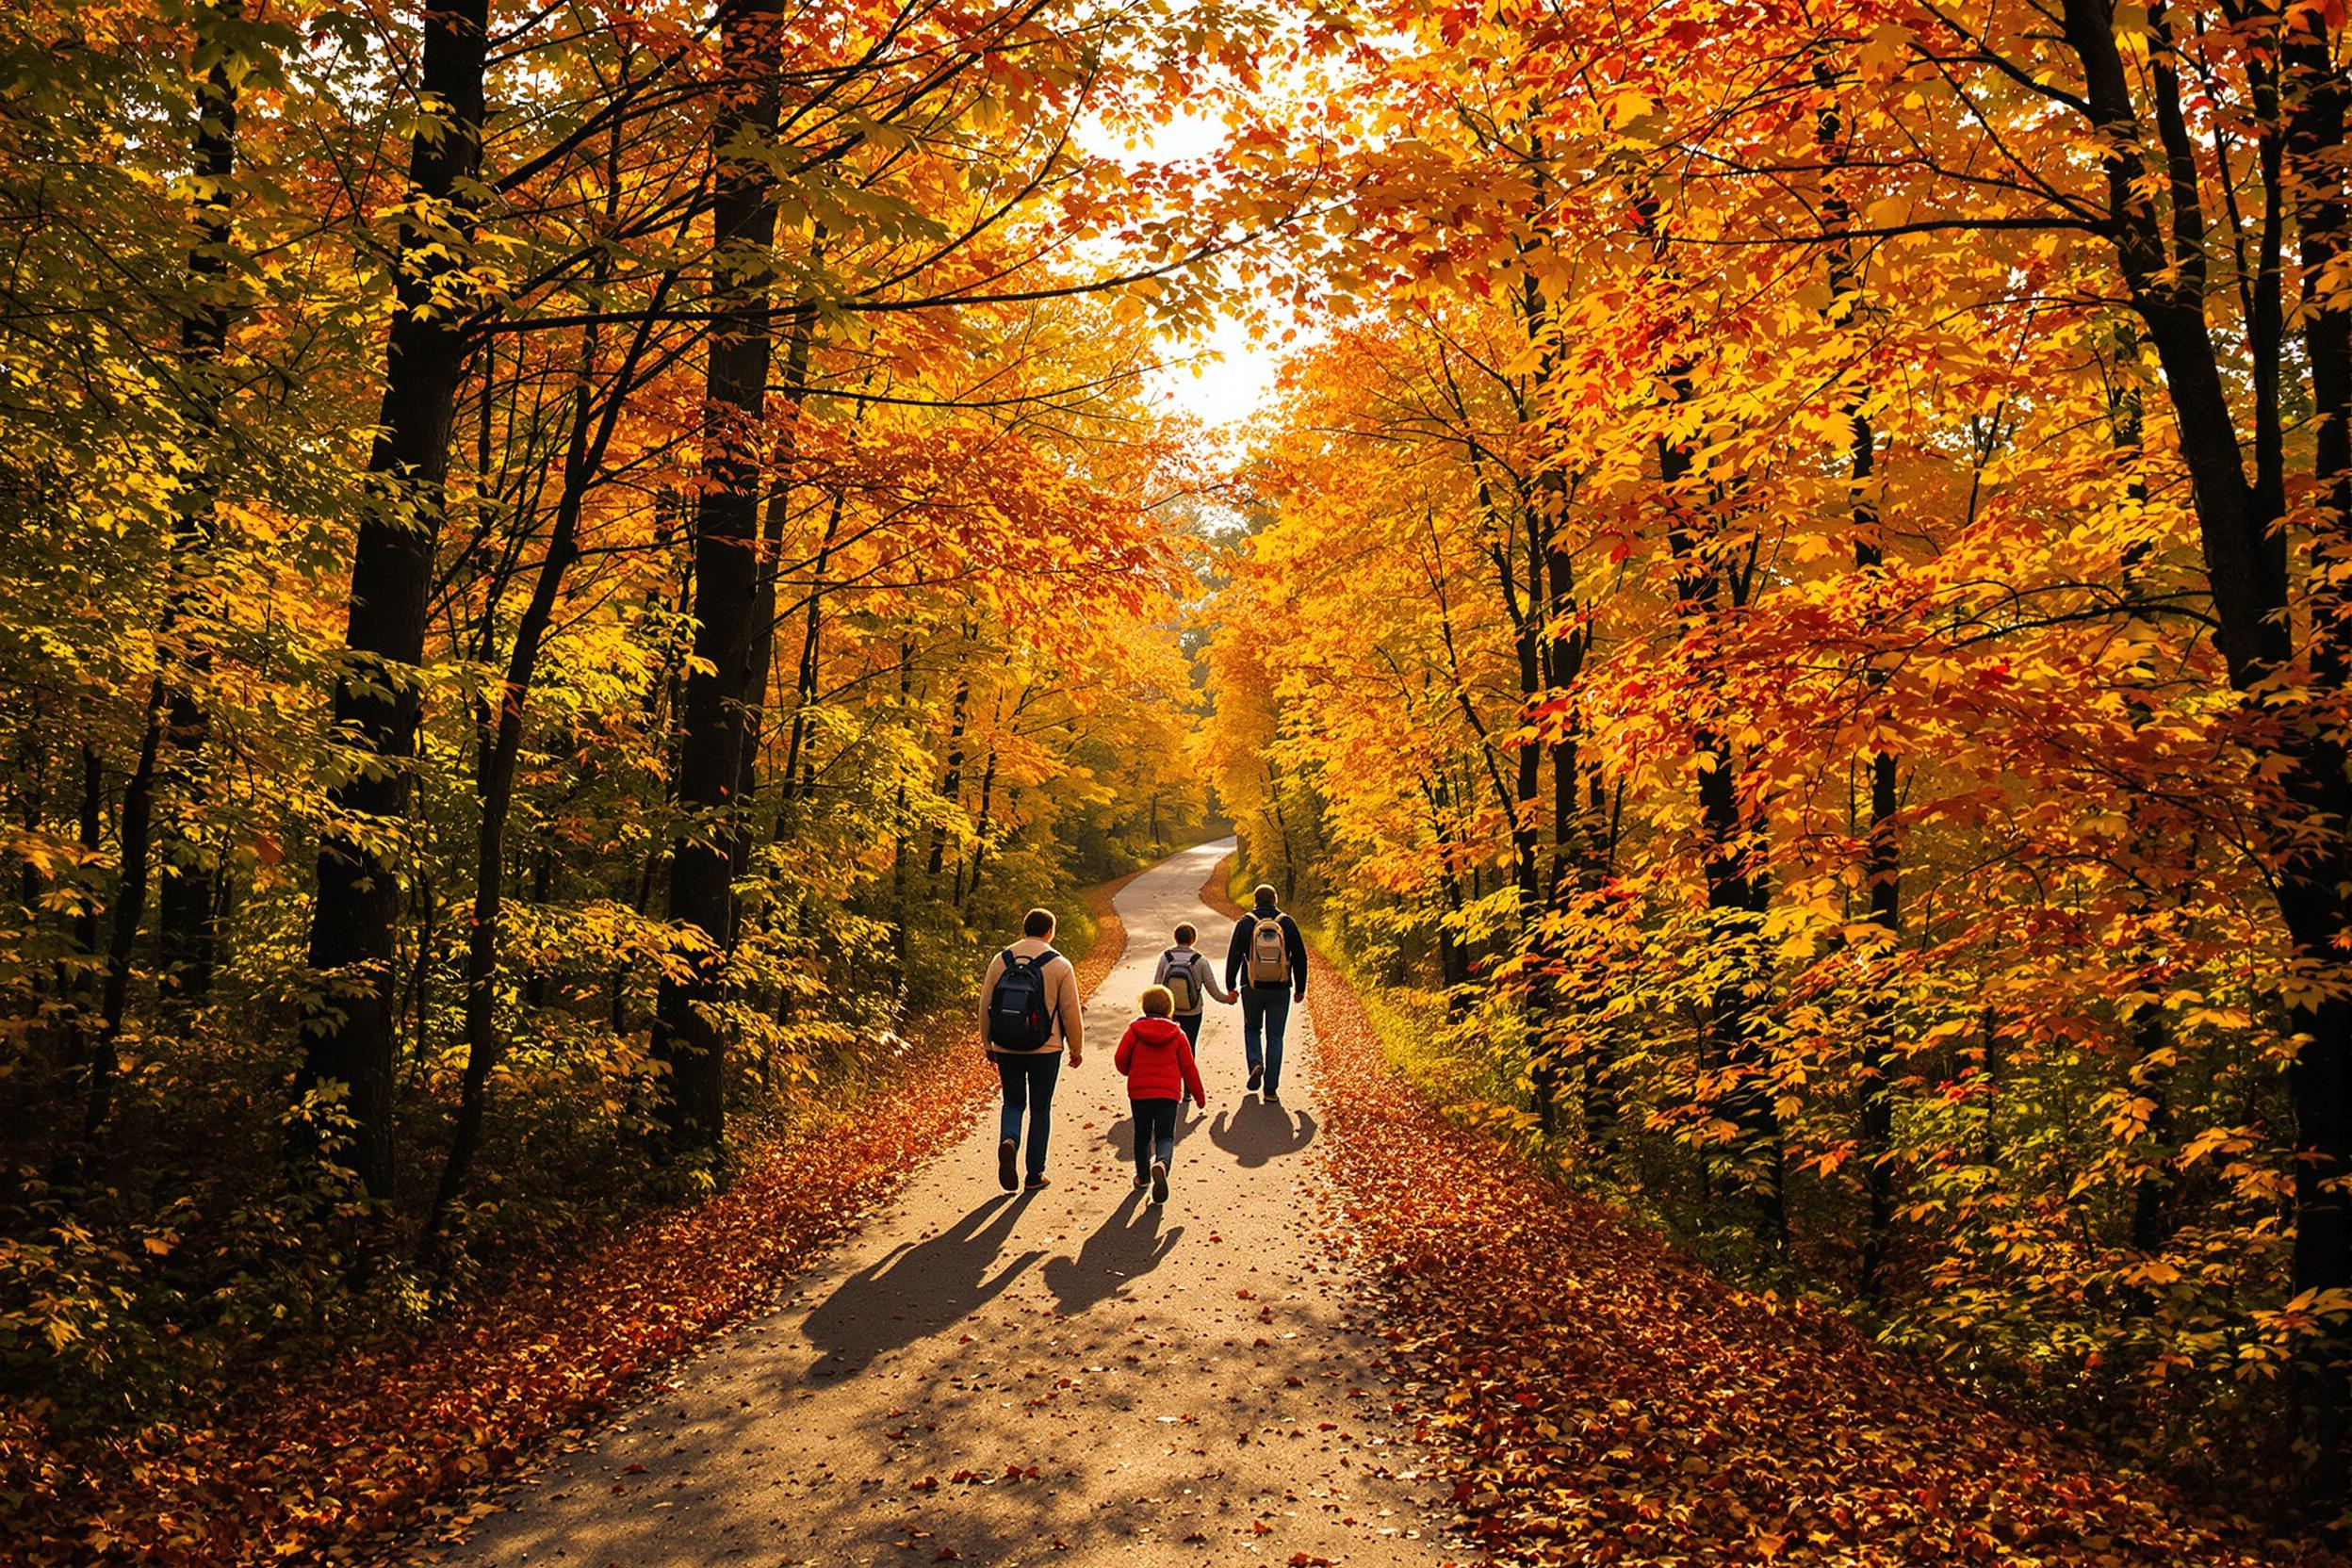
x=1155, y=1058
x=1191, y=979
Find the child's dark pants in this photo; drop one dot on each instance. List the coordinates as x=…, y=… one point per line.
x=1155, y=1133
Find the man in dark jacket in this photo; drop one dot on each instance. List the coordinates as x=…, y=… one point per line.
x=1270, y=973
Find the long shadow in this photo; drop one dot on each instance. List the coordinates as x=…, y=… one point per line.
x=1258, y=1131
x=918, y=1287
x=1121, y=1134
x=1127, y=1245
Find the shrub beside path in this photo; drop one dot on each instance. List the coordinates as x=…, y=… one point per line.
x=320, y=1460
x=1602, y=1398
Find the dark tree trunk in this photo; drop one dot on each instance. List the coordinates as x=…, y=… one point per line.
x=542, y=870
x=1282, y=829
x=76, y=1023
x=966, y=886
x=501, y=742
x=2161, y=254
x=1738, y=889
x=951, y=786
x=760, y=658
x=2321, y=1078
x=135, y=836
x=797, y=768
x=189, y=897
x=348, y=1032
x=1882, y=854
x=686, y=1038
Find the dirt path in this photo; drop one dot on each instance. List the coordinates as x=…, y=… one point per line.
x=1069, y=1376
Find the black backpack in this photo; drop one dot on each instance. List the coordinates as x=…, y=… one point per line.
x=1020, y=1009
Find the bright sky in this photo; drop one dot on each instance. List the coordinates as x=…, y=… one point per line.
x=1224, y=379
x=1221, y=382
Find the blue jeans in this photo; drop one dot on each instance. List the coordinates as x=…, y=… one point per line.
x=1266, y=1010
x=1029, y=1087
x=1155, y=1133
x=1190, y=1025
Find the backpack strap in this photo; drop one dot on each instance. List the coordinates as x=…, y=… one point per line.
x=1042, y=960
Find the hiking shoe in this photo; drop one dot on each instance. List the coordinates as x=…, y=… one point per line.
x=1007, y=1177
x=1142, y=1177
x=1271, y=1096
x=1036, y=1182
x=1257, y=1076
x=1159, y=1182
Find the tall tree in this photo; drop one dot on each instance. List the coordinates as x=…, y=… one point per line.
x=348, y=1031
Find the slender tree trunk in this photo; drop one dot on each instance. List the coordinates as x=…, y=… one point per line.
x=2319, y=912
x=348, y=1032
x=134, y=835
x=966, y=886
x=687, y=1041
x=189, y=895
x=171, y=712
x=501, y=746
x=1882, y=854
x=796, y=767
x=951, y=786
x=1739, y=889
x=1282, y=829
x=542, y=870
x=77, y=1022
x=761, y=658
x=91, y=836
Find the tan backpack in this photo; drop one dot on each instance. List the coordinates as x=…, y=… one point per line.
x=1269, y=954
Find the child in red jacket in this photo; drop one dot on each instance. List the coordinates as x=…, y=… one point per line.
x=1156, y=1060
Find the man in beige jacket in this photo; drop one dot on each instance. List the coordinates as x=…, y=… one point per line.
x=1029, y=1010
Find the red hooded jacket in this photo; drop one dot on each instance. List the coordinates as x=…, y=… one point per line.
x=1157, y=1061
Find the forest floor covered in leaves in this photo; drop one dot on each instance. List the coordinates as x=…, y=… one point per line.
x=1361, y=1332
x=1603, y=1398
x=325, y=1460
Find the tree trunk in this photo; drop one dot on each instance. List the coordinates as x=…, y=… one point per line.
x=2244, y=546
x=2321, y=1078
x=760, y=658
x=951, y=786
x=348, y=1034
x=130, y=903
x=967, y=886
x=796, y=768
x=686, y=1038
x=1882, y=854
x=1738, y=889
x=188, y=896
x=501, y=746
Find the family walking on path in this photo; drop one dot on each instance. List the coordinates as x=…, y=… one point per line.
x=1174, y=1387
x=1032, y=1011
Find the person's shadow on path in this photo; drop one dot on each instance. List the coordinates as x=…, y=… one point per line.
x=918, y=1287
x=1121, y=1133
x=1259, y=1131
x=1127, y=1245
